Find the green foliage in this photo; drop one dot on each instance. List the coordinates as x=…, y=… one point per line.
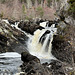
x=2, y=1
x=33, y=2
x=23, y=9
x=39, y=1
x=57, y=0
x=40, y=11
x=27, y=18
x=5, y=1
x=23, y=1
x=1, y=15
x=72, y=8
x=61, y=37
x=49, y=1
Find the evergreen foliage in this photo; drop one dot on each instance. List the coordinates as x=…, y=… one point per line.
x=48, y=1
x=72, y=8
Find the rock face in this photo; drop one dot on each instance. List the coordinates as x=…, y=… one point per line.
x=62, y=10
x=62, y=49
x=11, y=39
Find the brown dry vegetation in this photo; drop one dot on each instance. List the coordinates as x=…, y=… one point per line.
x=14, y=9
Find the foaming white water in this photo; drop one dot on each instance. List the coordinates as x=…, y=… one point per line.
x=40, y=44
x=10, y=54
x=4, y=20
x=43, y=24
x=9, y=63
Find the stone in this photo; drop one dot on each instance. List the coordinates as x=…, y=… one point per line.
x=26, y=57
x=61, y=49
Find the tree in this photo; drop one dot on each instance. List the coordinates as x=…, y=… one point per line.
x=40, y=11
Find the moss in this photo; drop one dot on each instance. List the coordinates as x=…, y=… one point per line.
x=72, y=73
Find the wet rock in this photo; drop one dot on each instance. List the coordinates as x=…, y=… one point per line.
x=11, y=39
x=38, y=21
x=49, y=23
x=26, y=57
x=28, y=27
x=11, y=21
x=32, y=67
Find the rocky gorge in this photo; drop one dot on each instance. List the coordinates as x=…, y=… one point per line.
x=13, y=39
x=15, y=33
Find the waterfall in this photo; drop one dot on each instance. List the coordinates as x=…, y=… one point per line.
x=40, y=44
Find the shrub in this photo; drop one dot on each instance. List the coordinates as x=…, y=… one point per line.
x=48, y=1
x=1, y=15
x=33, y=2
x=23, y=1
x=23, y=9
x=71, y=10
x=39, y=1
x=2, y=1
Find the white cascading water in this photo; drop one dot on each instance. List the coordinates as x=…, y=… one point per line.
x=37, y=45
x=42, y=50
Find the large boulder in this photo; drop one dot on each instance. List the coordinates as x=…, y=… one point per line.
x=27, y=57
x=11, y=39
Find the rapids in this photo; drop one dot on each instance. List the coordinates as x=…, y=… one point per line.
x=40, y=44
x=9, y=63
